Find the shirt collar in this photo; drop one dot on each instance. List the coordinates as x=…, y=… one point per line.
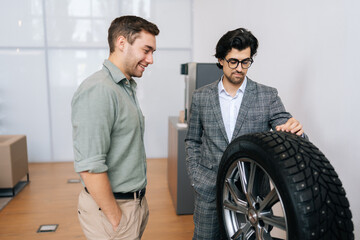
x=221, y=88
x=117, y=75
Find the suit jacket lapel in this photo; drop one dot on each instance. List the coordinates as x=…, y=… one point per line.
x=215, y=104
x=248, y=99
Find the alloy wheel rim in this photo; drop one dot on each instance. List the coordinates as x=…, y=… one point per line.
x=248, y=215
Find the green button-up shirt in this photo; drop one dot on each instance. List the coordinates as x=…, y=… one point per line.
x=108, y=129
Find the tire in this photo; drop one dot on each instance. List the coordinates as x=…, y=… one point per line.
x=286, y=189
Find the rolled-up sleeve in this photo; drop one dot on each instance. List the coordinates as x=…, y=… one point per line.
x=93, y=116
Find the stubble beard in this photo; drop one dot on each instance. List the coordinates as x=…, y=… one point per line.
x=138, y=71
x=133, y=70
x=236, y=80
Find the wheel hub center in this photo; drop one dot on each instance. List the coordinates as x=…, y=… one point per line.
x=253, y=217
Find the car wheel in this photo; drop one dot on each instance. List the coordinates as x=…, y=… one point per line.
x=276, y=185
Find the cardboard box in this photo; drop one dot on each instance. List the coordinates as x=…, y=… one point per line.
x=13, y=160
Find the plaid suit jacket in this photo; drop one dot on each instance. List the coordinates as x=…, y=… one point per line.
x=206, y=140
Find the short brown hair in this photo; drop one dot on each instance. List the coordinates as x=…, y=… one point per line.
x=129, y=27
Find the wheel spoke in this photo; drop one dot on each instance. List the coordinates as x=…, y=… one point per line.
x=229, y=183
x=242, y=176
x=269, y=200
x=240, y=208
x=238, y=234
x=244, y=183
x=275, y=221
x=249, y=233
x=258, y=232
x=245, y=231
x=251, y=177
x=264, y=234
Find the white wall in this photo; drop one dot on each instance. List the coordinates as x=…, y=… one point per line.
x=48, y=47
x=309, y=51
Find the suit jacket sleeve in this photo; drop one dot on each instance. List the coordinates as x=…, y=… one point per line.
x=193, y=139
x=278, y=114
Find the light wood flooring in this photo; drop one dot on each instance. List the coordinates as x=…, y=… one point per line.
x=49, y=199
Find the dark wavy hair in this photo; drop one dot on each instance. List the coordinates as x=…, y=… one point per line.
x=129, y=27
x=240, y=39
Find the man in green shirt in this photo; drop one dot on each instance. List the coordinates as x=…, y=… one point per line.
x=108, y=131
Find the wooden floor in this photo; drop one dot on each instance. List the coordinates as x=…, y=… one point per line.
x=49, y=199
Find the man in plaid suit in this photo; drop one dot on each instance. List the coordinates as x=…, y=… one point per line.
x=230, y=107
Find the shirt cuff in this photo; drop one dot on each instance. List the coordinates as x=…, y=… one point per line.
x=93, y=165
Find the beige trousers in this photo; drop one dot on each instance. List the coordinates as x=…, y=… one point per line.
x=96, y=226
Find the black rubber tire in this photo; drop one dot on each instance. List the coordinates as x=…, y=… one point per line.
x=311, y=192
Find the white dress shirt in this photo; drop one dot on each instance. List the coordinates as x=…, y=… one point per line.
x=230, y=106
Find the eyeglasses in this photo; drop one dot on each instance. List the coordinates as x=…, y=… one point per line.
x=234, y=63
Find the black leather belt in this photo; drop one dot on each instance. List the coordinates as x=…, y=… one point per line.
x=130, y=195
